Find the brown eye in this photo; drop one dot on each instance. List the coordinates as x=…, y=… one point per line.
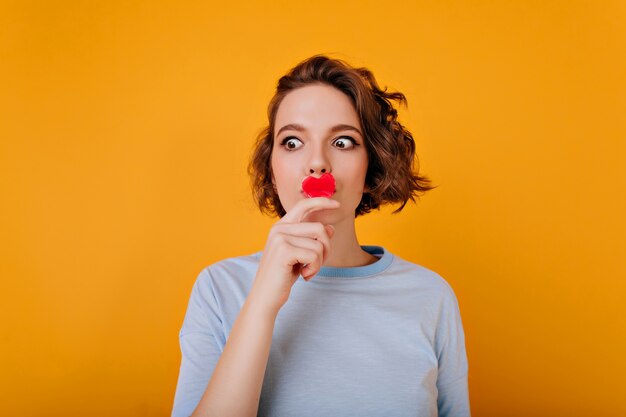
x=345, y=142
x=291, y=143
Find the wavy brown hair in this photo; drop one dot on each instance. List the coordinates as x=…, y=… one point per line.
x=392, y=173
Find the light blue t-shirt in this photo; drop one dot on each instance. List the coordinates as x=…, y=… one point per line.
x=384, y=339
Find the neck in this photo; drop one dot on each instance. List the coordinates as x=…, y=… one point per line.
x=345, y=249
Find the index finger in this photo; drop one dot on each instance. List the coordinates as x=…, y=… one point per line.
x=309, y=205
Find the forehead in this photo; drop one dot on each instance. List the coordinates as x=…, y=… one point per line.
x=316, y=106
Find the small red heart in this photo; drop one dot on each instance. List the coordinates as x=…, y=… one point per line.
x=323, y=186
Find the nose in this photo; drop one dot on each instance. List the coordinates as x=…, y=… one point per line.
x=318, y=163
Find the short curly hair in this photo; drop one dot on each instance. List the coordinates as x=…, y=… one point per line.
x=392, y=173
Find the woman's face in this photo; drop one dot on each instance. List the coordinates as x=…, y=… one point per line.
x=317, y=130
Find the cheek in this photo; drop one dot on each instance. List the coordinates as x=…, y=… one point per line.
x=354, y=188
x=277, y=169
x=284, y=181
x=359, y=172
x=280, y=173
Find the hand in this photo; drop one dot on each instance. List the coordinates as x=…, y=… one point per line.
x=293, y=247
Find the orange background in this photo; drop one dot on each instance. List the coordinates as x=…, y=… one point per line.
x=126, y=128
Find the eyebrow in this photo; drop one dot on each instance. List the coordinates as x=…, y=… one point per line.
x=336, y=128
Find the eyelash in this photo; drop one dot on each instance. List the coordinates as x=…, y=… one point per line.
x=285, y=140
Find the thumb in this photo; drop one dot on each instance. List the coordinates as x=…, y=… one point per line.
x=330, y=230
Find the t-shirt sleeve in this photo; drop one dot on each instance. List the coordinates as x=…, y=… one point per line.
x=200, y=346
x=452, y=384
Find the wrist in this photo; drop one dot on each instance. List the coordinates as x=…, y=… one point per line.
x=259, y=304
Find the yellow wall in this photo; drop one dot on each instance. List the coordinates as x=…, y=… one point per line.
x=125, y=130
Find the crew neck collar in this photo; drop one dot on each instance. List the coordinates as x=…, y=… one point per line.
x=385, y=259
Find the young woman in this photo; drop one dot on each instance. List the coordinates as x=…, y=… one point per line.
x=316, y=324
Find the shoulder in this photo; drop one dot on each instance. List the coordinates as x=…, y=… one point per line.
x=232, y=272
x=426, y=285
x=422, y=275
x=233, y=265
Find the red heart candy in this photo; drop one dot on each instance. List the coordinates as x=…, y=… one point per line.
x=323, y=186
